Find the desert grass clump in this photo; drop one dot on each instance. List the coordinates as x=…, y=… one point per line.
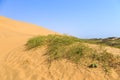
x=51, y=40
x=74, y=50
x=35, y=42
x=77, y=52
x=105, y=60
x=57, y=45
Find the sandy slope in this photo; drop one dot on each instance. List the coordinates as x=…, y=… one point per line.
x=16, y=63
x=14, y=34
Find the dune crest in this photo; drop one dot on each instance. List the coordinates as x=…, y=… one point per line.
x=22, y=27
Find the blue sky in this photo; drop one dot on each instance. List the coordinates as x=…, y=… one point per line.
x=81, y=18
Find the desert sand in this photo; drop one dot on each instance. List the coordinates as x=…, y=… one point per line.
x=17, y=63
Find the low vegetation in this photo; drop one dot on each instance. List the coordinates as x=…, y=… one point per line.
x=112, y=41
x=74, y=50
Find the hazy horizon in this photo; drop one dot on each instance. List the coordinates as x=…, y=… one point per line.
x=84, y=19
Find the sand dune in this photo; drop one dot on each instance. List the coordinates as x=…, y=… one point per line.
x=13, y=33
x=17, y=63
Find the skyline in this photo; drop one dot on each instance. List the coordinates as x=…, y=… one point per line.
x=84, y=19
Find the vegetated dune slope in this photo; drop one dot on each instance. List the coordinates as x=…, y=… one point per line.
x=17, y=63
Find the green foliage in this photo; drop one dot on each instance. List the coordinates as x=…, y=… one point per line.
x=103, y=57
x=35, y=42
x=57, y=45
x=73, y=49
x=77, y=52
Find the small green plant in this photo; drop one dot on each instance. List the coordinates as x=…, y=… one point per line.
x=93, y=65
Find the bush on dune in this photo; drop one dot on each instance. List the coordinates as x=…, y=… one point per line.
x=73, y=49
